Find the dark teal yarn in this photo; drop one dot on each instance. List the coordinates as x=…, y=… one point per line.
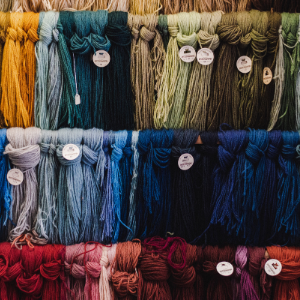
x=99, y=20
x=163, y=29
x=287, y=224
x=5, y=188
x=184, y=204
x=69, y=113
x=118, y=105
x=81, y=45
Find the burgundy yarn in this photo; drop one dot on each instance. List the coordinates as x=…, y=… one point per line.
x=219, y=287
x=30, y=281
x=52, y=271
x=199, y=285
x=183, y=280
x=4, y=261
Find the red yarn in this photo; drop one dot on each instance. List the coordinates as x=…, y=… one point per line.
x=4, y=262
x=219, y=287
x=183, y=280
x=286, y=283
x=51, y=270
x=30, y=281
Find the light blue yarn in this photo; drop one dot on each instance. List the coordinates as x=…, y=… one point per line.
x=69, y=187
x=5, y=188
x=42, y=69
x=46, y=225
x=91, y=195
x=134, y=181
x=118, y=145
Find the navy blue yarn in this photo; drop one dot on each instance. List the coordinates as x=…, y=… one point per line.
x=157, y=184
x=286, y=225
x=118, y=105
x=269, y=192
x=141, y=208
x=184, y=213
x=126, y=166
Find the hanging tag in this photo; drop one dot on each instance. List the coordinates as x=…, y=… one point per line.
x=205, y=56
x=244, y=64
x=70, y=152
x=185, y=161
x=15, y=176
x=101, y=58
x=225, y=268
x=187, y=54
x=273, y=267
x=267, y=76
x=77, y=99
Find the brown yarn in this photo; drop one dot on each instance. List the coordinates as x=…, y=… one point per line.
x=222, y=94
x=199, y=284
x=183, y=280
x=155, y=273
x=171, y=7
x=125, y=278
x=219, y=287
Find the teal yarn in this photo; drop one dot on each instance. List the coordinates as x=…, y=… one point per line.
x=163, y=29
x=70, y=183
x=100, y=41
x=118, y=104
x=107, y=216
x=5, y=188
x=54, y=82
x=131, y=221
x=286, y=226
x=91, y=205
x=42, y=62
x=47, y=225
x=69, y=113
x=118, y=143
x=81, y=45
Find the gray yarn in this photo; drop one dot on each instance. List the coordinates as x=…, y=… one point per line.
x=55, y=79
x=24, y=153
x=70, y=185
x=46, y=225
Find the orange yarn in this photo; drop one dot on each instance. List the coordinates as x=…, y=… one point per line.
x=12, y=105
x=286, y=283
x=28, y=62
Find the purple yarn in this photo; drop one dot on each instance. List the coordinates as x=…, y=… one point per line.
x=244, y=289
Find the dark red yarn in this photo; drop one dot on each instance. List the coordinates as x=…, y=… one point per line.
x=4, y=263
x=218, y=287
x=199, y=285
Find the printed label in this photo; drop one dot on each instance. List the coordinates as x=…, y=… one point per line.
x=273, y=267
x=77, y=99
x=244, y=64
x=205, y=56
x=15, y=176
x=101, y=58
x=187, y=54
x=70, y=152
x=225, y=268
x=267, y=76
x=185, y=161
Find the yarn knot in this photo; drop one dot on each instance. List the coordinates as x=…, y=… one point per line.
x=55, y=34
x=32, y=35
x=288, y=152
x=51, y=270
x=21, y=34
x=12, y=34
x=273, y=152
x=207, y=40
x=161, y=157
x=184, y=278
x=259, y=44
x=135, y=33
x=127, y=151
x=230, y=34
x=89, y=157
x=125, y=283
x=146, y=34
x=173, y=31
x=245, y=40
x=210, y=267
x=226, y=158
x=48, y=148
x=2, y=36
x=184, y=40
x=3, y=265
x=13, y=272
x=117, y=153
x=253, y=153
x=30, y=284
x=66, y=162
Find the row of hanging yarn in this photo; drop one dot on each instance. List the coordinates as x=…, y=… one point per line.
x=120, y=71
x=156, y=269
x=73, y=185
x=151, y=6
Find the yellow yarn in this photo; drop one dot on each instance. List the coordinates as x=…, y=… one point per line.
x=12, y=105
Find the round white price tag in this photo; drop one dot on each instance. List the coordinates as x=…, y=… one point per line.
x=267, y=76
x=273, y=267
x=70, y=152
x=225, y=268
x=185, y=161
x=101, y=58
x=205, y=56
x=15, y=176
x=187, y=54
x=244, y=64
